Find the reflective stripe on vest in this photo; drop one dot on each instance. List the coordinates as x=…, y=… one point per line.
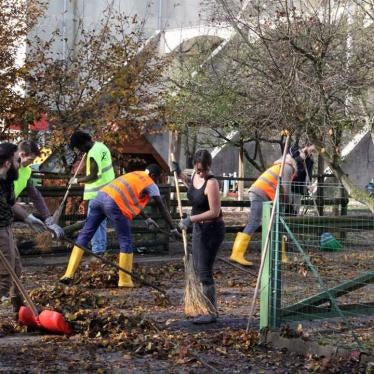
x=24, y=174
x=126, y=192
x=268, y=180
x=101, y=154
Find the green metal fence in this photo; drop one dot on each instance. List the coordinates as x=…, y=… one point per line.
x=319, y=267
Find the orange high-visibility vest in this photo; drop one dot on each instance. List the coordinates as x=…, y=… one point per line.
x=268, y=180
x=126, y=192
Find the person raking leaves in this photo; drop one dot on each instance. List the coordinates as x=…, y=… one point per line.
x=27, y=152
x=121, y=201
x=9, y=164
x=263, y=189
x=99, y=172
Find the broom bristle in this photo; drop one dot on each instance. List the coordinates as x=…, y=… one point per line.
x=195, y=302
x=44, y=241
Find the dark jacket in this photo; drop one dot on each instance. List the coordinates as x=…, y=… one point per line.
x=7, y=200
x=300, y=181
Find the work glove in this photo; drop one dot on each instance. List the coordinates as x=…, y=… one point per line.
x=152, y=224
x=73, y=180
x=185, y=223
x=57, y=230
x=175, y=167
x=175, y=234
x=35, y=223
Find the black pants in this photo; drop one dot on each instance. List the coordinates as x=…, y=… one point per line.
x=206, y=240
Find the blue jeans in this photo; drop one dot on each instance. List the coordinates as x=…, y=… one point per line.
x=255, y=216
x=98, y=241
x=103, y=207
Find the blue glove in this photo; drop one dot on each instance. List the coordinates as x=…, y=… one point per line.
x=58, y=231
x=185, y=223
x=152, y=224
x=175, y=234
x=36, y=224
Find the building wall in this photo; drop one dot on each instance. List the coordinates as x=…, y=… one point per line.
x=159, y=14
x=359, y=164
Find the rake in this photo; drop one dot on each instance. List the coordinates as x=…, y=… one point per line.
x=48, y=320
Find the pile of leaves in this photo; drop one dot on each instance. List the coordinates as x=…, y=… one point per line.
x=67, y=299
x=10, y=327
x=115, y=331
x=165, y=275
x=98, y=275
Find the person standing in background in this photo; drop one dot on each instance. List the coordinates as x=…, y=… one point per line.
x=99, y=173
x=304, y=160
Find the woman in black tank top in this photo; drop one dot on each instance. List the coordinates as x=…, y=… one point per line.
x=208, y=228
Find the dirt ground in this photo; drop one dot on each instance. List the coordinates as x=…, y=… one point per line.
x=137, y=330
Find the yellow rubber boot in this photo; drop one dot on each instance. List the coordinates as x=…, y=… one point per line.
x=285, y=259
x=239, y=248
x=74, y=261
x=125, y=262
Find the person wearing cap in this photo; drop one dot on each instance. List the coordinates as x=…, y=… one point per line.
x=262, y=190
x=121, y=201
x=99, y=172
x=27, y=152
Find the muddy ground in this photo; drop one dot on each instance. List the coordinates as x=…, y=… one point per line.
x=137, y=330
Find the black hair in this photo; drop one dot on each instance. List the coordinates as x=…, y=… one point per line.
x=203, y=157
x=78, y=138
x=154, y=169
x=29, y=147
x=7, y=151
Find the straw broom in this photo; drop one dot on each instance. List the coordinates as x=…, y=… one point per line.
x=195, y=302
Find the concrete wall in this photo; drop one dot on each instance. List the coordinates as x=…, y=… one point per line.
x=227, y=160
x=158, y=14
x=359, y=164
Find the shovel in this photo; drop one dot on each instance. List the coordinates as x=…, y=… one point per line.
x=48, y=320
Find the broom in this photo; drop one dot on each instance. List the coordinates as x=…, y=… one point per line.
x=195, y=302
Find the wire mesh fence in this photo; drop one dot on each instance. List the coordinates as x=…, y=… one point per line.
x=320, y=266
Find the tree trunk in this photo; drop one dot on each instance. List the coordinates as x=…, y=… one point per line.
x=353, y=191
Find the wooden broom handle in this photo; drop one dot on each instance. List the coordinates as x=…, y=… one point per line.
x=18, y=283
x=184, y=233
x=57, y=213
x=75, y=174
x=267, y=237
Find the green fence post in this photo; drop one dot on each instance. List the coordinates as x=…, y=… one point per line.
x=275, y=273
x=266, y=284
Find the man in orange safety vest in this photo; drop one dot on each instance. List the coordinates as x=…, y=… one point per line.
x=263, y=189
x=120, y=201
